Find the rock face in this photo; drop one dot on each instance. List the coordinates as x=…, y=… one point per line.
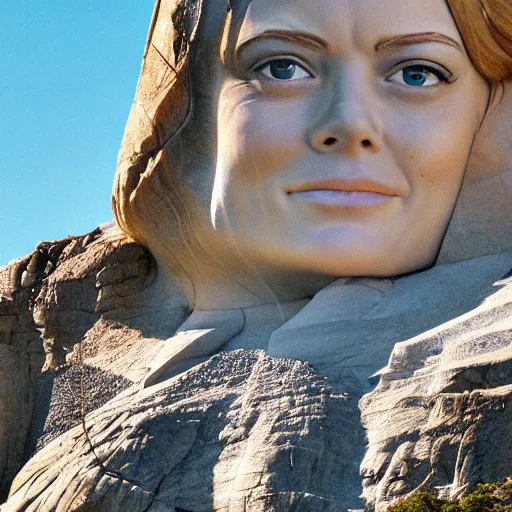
x=83, y=319
x=64, y=292
x=440, y=417
x=240, y=432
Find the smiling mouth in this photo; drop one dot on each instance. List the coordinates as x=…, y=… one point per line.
x=344, y=193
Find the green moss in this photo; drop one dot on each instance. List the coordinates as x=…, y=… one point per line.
x=420, y=502
x=481, y=500
x=485, y=498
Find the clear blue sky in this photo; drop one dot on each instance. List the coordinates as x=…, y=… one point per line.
x=68, y=72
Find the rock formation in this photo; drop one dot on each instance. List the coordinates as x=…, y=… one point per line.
x=446, y=403
x=51, y=300
x=117, y=397
x=241, y=430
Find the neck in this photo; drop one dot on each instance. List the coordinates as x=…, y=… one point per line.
x=215, y=287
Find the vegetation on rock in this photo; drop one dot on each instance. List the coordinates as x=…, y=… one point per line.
x=485, y=498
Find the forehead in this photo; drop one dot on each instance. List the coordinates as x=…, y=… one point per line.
x=359, y=21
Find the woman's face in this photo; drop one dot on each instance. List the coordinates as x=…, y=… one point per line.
x=344, y=129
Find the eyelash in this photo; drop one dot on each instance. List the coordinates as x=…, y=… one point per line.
x=441, y=73
x=259, y=67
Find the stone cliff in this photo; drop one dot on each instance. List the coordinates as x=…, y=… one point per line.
x=81, y=324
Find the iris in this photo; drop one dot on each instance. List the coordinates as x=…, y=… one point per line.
x=283, y=69
x=415, y=75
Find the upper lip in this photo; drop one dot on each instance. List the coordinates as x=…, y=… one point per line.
x=347, y=185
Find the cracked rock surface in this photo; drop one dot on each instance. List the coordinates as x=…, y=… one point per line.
x=67, y=311
x=446, y=402
x=81, y=322
x=242, y=431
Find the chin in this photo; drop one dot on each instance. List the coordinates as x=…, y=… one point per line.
x=370, y=254
x=362, y=263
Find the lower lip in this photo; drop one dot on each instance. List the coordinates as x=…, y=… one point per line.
x=342, y=198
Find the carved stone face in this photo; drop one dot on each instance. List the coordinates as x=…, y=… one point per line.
x=344, y=130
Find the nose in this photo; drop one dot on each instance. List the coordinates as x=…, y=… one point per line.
x=349, y=120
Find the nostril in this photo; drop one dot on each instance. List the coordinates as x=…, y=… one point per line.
x=366, y=143
x=330, y=141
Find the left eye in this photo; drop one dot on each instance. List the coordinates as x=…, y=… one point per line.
x=418, y=76
x=283, y=69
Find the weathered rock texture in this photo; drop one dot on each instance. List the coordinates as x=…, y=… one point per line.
x=240, y=432
x=80, y=288
x=441, y=416
x=83, y=320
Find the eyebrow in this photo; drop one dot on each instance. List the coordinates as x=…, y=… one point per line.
x=305, y=39
x=302, y=38
x=424, y=37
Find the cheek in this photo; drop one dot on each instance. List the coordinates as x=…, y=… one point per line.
x=431, y=145
x=258, y=136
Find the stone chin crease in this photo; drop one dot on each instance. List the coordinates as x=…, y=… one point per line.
x=178, y=376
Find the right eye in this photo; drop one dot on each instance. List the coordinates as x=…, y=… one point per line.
x=284, y=70
x=419, y=75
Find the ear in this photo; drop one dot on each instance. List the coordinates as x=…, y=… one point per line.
x=482, y=220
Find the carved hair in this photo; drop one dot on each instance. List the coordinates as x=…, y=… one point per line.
x=149, y=196
x=486, y=28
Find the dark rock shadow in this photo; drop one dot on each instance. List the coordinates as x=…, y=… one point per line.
x=60, y=400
